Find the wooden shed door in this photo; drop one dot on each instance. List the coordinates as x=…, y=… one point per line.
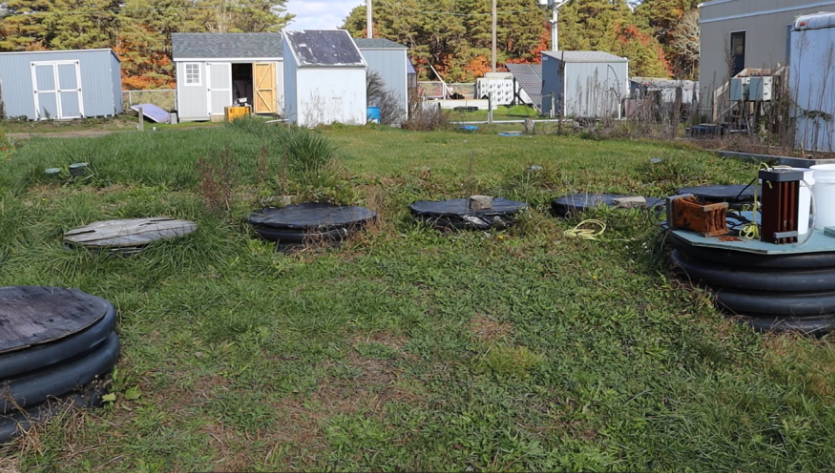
x=265, y=96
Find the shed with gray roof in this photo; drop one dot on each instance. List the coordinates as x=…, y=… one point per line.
x=589, y=84
x=217, y=70
x=391, y=61
x=325, y=76
x=60, y=85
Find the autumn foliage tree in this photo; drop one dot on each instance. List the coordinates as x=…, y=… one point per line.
x=664, y=18
x=454, y=36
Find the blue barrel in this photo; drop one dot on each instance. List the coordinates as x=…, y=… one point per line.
x=374, y=114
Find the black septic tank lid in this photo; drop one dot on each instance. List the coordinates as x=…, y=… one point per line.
x=574, y=204
x=32, y=315
x=293, y=225
x=457, y=214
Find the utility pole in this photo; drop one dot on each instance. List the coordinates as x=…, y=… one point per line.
x=494, y=35
x=369, y=22
x=555, y=18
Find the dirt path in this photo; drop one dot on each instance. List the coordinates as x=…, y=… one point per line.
x=85, y=133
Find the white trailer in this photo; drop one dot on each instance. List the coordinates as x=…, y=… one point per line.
x=812, y=81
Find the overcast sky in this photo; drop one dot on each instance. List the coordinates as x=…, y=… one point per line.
x=320, y=14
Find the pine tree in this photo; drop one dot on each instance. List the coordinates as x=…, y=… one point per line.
x=24, y=23
x=82, y=24
x=455, y=37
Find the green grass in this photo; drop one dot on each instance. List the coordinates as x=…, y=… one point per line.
x=407, y=349
x=516, y=112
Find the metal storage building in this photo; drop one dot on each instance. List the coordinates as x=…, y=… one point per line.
x=214, y=70
x=391, y=61
x=588, y=84
x=324, y=74
x=60, y=85
x=812, y=57
x=754, y=32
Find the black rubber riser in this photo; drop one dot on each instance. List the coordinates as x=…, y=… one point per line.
x=48, y=354
x=442, y=223
x=763, y=280
x=289, y=236
x=774, y=303
x=811, y=261
x=12, y=424
x=58, y=380
x=815, y=325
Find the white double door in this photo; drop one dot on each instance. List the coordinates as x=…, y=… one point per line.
x=57, y=90
x=218, y=86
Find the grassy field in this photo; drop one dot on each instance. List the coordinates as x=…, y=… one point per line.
x=406, y=349
x=519, y=112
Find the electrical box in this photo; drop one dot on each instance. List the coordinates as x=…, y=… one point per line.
x=739, y=88
x=761, y=89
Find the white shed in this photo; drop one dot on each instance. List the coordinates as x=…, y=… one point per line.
x=590, y=84
x=214, y=70
x=812, y=57
x=324, y=78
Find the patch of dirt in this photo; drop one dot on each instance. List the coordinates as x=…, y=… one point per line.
x=303, y=417
x=226, y=444
x=384, y=338
x=205, y=385
x=487, y=329
x=64, y=134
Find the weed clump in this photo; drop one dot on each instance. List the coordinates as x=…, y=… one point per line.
x=378, y=96
x=306, y=157
x=423, y=117
x=217, y=180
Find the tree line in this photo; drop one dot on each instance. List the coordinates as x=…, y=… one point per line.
x=453, y=37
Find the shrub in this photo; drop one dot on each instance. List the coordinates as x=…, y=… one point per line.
x=425, y=117
x=378, y=96
x=217, y=180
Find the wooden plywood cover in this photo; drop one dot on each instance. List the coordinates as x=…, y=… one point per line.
x=31, y=315
x=265, y=93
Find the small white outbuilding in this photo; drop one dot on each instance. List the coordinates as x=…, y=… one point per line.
x=324, y=75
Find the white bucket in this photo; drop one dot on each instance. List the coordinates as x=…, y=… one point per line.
x=805, y=204
x=824, y=192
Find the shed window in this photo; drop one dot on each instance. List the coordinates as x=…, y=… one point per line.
x=193, y=74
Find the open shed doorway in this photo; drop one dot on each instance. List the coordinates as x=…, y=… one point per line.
x=242, y=87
